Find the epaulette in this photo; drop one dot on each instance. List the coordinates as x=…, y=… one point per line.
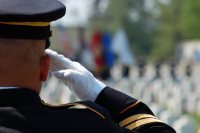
x=88, y=105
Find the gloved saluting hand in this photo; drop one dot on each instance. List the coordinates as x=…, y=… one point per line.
x=75, y=76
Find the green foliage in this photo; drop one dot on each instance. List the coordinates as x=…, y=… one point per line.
x=116, y=13
x=139, y=37
x=139, y=31
x=196, y=119
x=190, y=19
x=178, y=21
x=154, y=36
x=167, y=31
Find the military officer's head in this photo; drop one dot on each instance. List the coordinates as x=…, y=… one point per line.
x=24, y=35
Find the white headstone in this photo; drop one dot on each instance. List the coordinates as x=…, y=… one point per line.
x=184, y=125
x=156, y=109
x=168, y=117
x=192, y=103
x=198, y=131
x=198, y=107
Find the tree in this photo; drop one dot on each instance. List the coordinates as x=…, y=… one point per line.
x=190, y=18
x=137, y=22
x=167, y=33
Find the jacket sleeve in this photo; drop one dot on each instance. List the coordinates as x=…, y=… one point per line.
x=131, y=113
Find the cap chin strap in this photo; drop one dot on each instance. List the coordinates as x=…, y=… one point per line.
x=48, y=43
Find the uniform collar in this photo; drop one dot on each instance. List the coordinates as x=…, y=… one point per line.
x=12, y=96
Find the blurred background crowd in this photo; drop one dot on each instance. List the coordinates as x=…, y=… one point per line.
x=148, y=49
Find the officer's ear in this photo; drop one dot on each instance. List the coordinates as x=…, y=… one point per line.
x=44, y=67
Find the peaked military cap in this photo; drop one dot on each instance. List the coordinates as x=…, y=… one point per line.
x=28, y=19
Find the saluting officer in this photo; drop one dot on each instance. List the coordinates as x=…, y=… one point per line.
x=24, y=64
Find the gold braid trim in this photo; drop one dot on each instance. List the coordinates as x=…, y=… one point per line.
x=42, y=24
x=78, y=105
x=133, y=105
x=142, y=122
x=134, y=118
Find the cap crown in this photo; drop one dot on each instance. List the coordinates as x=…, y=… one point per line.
x=30, y=10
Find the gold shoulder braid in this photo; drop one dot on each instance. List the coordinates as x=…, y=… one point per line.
x=74, y=106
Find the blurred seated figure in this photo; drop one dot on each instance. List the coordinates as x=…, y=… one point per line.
x=141, y=67
x=173, y=65
x=188, y=70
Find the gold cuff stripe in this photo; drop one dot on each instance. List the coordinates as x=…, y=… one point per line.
x=134, y=118
x=129, y=107
x=42, y=24
x=142, y=122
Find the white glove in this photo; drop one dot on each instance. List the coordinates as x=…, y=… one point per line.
x=75, y=76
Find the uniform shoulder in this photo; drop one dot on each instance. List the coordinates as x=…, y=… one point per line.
x=81, y=105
